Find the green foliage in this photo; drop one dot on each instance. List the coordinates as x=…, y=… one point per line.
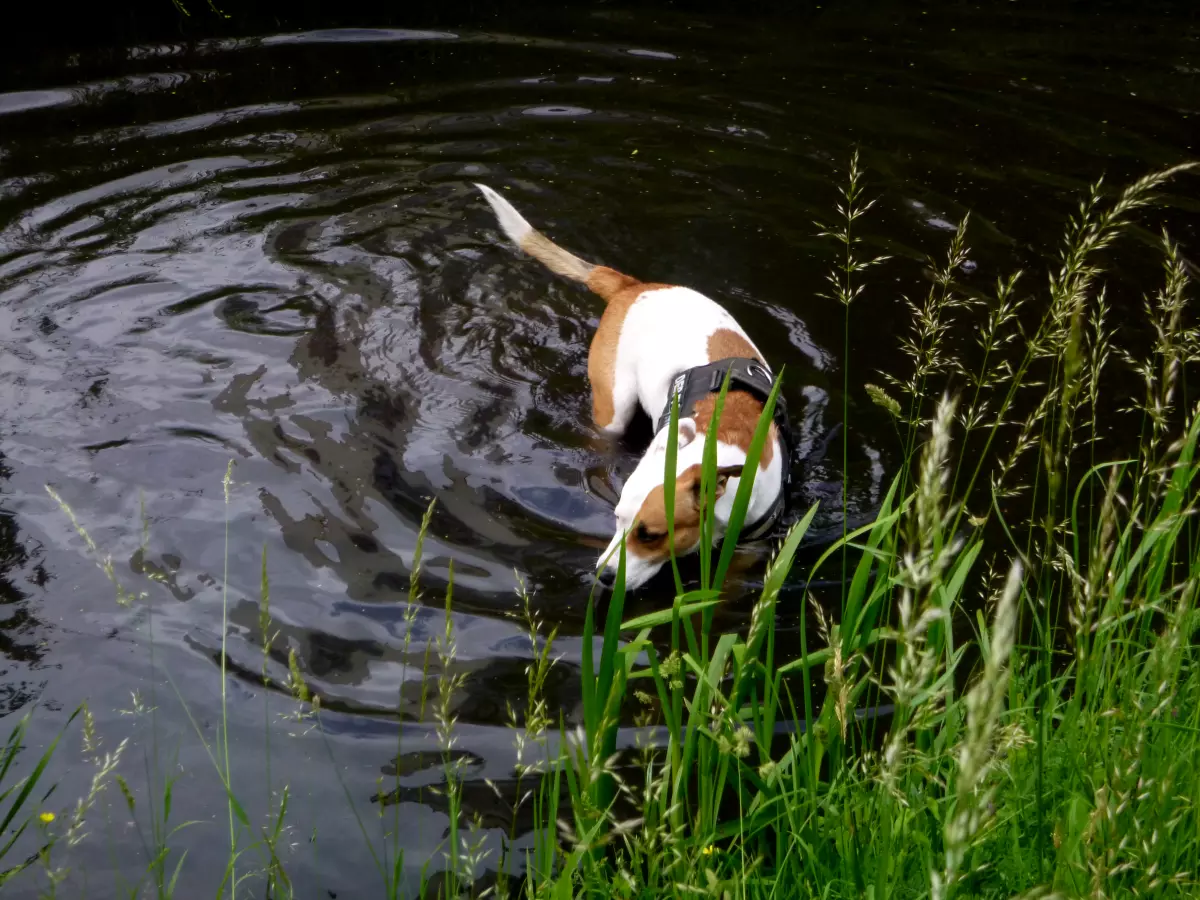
x=998, y=767
x=19, y=796
x=1055, y=751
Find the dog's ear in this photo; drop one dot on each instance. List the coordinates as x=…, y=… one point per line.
x=724, y=473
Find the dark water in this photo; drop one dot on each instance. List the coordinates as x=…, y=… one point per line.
x=267, y=250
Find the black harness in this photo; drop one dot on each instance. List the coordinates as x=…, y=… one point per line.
x=754, y=378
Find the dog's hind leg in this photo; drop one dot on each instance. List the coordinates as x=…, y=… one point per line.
x=614, y=400
x=614, y=380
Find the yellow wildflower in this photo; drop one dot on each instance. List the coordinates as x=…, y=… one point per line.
x=46, y=817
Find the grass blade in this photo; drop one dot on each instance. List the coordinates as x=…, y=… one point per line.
x=741, y=500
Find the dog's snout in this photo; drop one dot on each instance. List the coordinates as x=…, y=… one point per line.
x=607, y=577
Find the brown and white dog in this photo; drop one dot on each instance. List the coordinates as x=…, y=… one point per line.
x=650, y=334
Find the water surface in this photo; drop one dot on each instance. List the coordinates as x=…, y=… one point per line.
x=267, y=250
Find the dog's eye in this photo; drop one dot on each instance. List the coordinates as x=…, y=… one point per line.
x=644, y=535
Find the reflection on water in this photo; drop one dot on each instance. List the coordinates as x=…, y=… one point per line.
x=268, y=250
x=22, y=636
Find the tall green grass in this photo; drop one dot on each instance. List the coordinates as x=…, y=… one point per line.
x=1002, y=699
x=1054, y=751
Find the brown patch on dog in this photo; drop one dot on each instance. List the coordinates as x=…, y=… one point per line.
x=739, y=418
x=609, y=282
x=620, y=292
x=725, y=343
x=649, y=539
x=741, y=412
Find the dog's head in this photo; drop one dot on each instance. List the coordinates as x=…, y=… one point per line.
x=642, y=510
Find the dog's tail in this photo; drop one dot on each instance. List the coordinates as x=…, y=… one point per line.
x=600, y=279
